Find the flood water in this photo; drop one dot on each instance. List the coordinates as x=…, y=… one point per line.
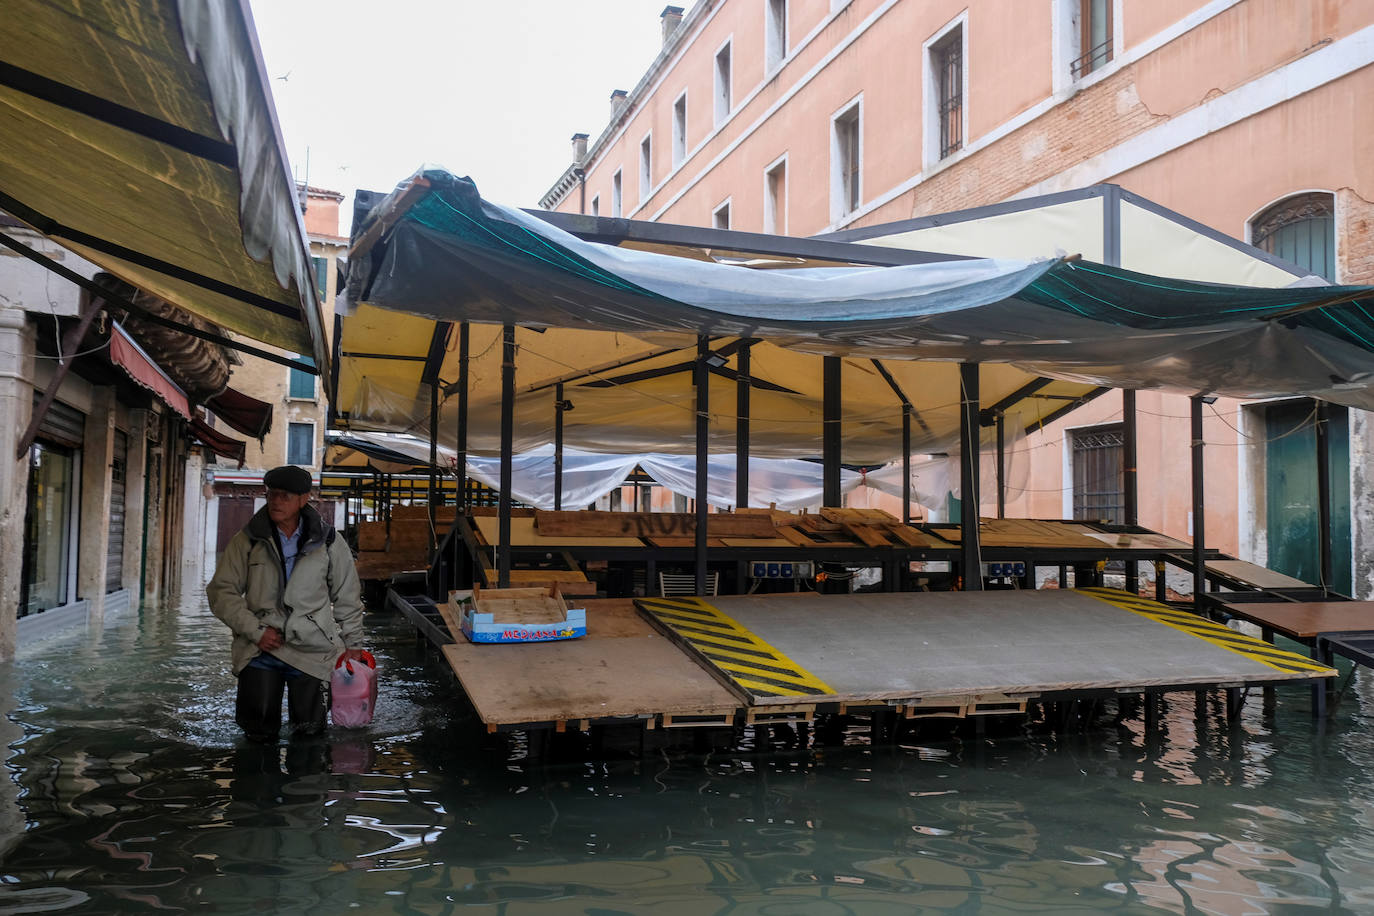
x=129, y=791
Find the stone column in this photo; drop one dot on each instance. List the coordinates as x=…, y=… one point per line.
x=16, y=408
x=192, y=550
x=93, y=544
x=155, y=475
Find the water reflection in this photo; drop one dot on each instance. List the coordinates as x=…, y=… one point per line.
x=131, y=790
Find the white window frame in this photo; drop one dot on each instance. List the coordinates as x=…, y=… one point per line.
x=723, y=206
x=680, y=130
x=618, y=194
x=775, y=34
x=1066, y=44
x=770, y=200
x=596, y=205
x=646, y=167
x=839, y=208
x=313, y=434
x=931, y=92
x=722, y=91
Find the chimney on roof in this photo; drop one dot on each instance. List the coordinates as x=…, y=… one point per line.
x=618, y=97
x=579, y=142
x=671, y=18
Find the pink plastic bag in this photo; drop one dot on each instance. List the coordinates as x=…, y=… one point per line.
x=353, y=691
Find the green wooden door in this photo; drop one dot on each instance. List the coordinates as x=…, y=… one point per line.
x=1291, y=493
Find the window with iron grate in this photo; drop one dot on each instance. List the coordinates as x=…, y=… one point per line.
x=1099, y=492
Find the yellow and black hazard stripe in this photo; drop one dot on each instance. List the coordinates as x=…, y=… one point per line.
x=733, y=649
x=1254, y=649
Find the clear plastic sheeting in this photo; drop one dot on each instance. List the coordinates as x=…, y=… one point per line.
x=786, y=483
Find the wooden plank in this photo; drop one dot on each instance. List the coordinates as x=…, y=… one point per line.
x=756, y=542
x=1307, y=619
x=1138, y=540
x=795, y=537
x=683, y=542
x=372, y=535
x=1258, y=576
x=914, y=538
x=871, y=535
x=648, y=524
x=622, y=667
x=523, y=534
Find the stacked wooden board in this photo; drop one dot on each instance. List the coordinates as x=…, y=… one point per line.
x=403, y=544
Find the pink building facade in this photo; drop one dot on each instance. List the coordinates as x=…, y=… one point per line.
x=809, y=117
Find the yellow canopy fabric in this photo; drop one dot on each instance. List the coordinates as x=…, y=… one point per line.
x=140, y=135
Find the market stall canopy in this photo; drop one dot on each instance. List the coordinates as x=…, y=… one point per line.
x=617, y=326
x=141, y=135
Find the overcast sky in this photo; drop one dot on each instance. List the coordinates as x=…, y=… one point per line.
x=493, y=89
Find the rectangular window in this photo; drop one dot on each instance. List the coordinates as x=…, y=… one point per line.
x=1094, y=34
x=300, y=444
x=947, y=70
x=48, y=541
x=596, y=205
x=775, y=34
x=847, y=158
x=720, y=216
x=301, y=383
x=646, y=161
x=1099, y=492
x=617, y=197
x=722, y=84
x=321, y=266
x=679, y=130
x=775, y=198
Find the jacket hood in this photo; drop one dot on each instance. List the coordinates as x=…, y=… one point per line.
x=313, y=530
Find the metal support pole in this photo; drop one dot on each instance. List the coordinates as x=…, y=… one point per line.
x=702, y=372
x=558, y=446
x=507, y=446
x=742, y=388
x=1199, y=528
x=1001, y=465
x=906, y=463
x=433, y=464
x=970, y=552
x=1324, y=492
x=461, y=460
x=830, y=431
x=1129, y=479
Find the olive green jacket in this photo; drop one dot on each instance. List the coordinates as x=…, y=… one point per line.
x=319, y=610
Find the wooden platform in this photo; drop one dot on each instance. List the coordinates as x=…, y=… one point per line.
x=1254, y=576
x=919, y=647
x=1306, y=620
x=717, y=661
x=621, y=668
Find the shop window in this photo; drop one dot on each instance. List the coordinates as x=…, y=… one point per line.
x=1301, y=229
x=300, y=444
x=49, y=532
x=1099, y=492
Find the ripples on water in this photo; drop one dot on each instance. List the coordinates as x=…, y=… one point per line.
x=130, y=791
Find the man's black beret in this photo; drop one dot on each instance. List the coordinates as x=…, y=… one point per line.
x=288, y=477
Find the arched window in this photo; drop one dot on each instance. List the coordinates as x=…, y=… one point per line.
x=1301, y=229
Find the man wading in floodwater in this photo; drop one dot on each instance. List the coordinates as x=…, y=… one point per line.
x=287, y=587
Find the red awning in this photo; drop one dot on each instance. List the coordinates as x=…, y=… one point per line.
x=218, y=442
x=131, y=358
x=243, y=413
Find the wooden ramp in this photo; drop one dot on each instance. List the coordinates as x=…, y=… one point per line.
x=961, y=649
